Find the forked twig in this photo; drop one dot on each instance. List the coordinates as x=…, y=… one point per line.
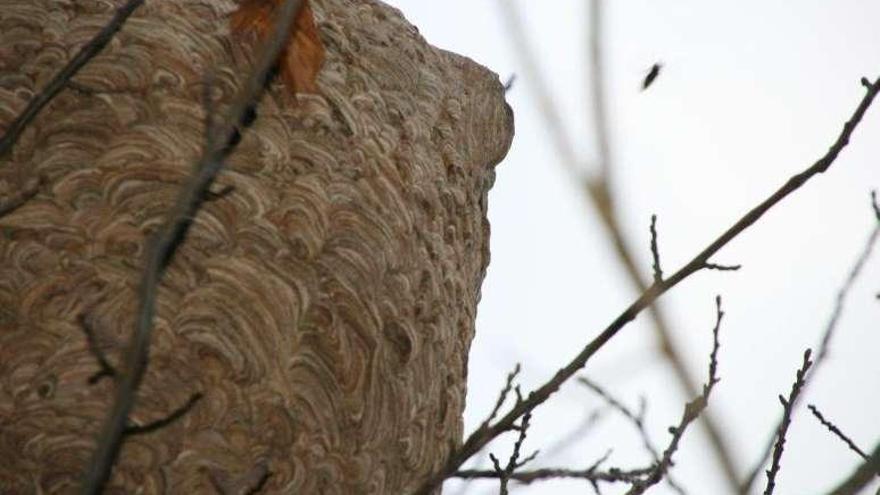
x=166, y=241
x=824, y=345
x=105, y=368
x=599, y=190
x=86, y=53
x=638, y=421
x=502, y=396
x=167, y=420
x=513, y=463
x=484, y=435
x=692, y=411
x=592, y=474
x=787, y=409
x=640, y=479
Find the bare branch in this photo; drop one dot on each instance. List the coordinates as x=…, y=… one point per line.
x=722, y=268
x=637, y=420
x=854, y=272
x=513, y=463
x=691, y=412
x=166, y=241
x=787, y=408
x=86, y=53
x=825, y=343
x=600, y=192
x=502, y=396
x=106, y=369
x=716, y=344
x=592, y=473
x=655, y=252
x=167, y=420
x=834, y=429
x=222, y=193
x=28, y=190
x=485, y=434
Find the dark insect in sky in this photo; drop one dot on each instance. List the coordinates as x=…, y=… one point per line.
x=652, y=75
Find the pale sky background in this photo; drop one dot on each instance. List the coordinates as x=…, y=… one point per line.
x=751, y=93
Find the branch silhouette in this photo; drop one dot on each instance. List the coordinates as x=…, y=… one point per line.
x=62, y=79
x=489, y=432
x=221, y=141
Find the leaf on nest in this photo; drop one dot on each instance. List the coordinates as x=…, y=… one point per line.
x=302, y=57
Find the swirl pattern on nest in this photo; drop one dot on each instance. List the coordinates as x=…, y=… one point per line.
x=324, y=307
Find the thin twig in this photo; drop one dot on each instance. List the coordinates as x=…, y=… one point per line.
x=484, y=435
x=591, y=474
x=600, y=191
x=722, y=268
x=499, y=403
x=86, y=53
x=637, y=420
x=787, y=408
x=165, y=243
x=513, y=463
x=692, y=411
x=21, y=196
x=834, y=429
x=167, y=420
x=655, y=252
x=502, y=396
x=222, y=193
x=825, y=344
x=105, y=368
x=854, y=272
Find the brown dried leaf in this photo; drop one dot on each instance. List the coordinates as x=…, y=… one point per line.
x=301, y=60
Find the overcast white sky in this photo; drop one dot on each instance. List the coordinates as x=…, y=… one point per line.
x=751, y=93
